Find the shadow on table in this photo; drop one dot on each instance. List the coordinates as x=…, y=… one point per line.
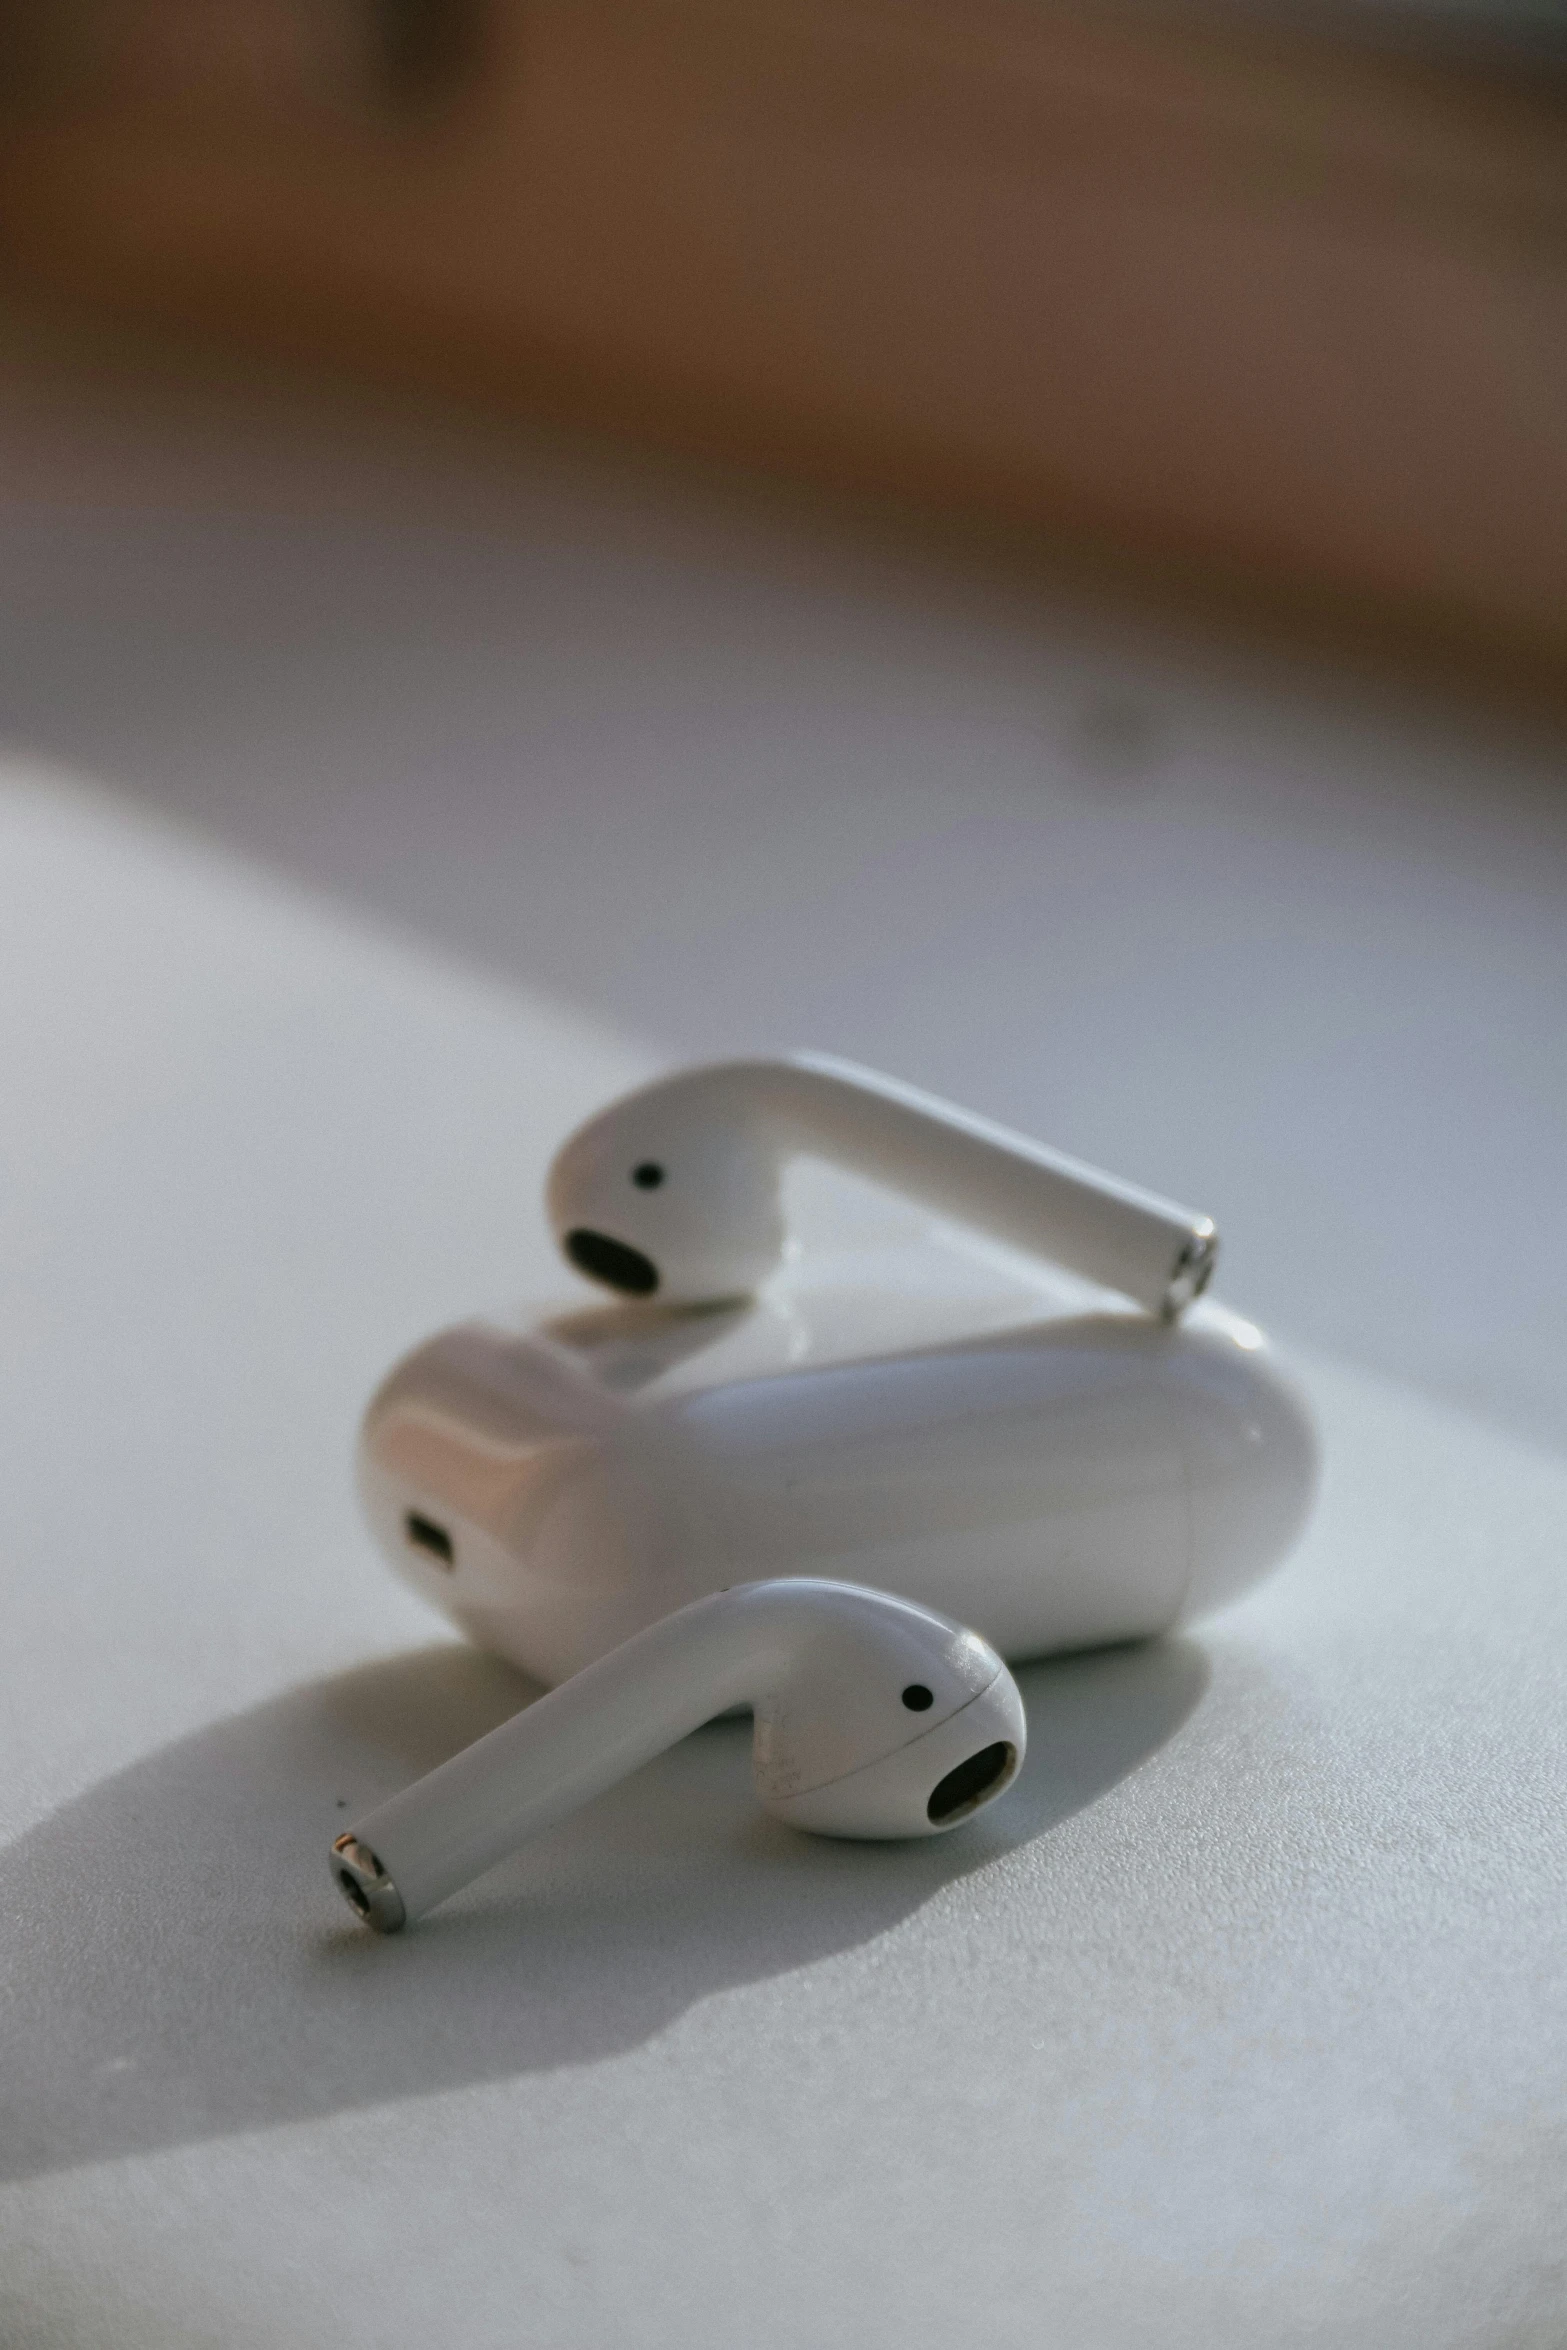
x=178, y=1965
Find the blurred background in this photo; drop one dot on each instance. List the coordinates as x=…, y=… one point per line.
x=1269, y=296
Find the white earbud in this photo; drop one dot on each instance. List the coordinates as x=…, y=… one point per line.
x=673, y=1191
x=874, y=1718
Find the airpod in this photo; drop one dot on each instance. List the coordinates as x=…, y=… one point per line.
x=874, y=1718
x=673, y=1192
x=958, y=1423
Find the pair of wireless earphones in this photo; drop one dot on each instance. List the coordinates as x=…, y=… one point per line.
x=553, y=1505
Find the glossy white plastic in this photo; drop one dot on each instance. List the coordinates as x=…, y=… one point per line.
x=874, y=1718
x=1058, y=1470
x=673, y=1191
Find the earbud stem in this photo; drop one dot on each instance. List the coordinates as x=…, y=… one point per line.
x=552, y=1757
x=1017, y=1191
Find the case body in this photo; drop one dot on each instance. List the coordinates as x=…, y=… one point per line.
x=1016, y=1451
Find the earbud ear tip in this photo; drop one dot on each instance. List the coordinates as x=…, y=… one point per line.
x=930, y=1784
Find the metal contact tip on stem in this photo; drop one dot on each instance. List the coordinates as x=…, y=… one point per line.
x=1193, y=1271
x=365, y=1886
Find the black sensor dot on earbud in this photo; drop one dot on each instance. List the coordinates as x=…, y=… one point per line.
x=918, y=1698
x=648, y=1176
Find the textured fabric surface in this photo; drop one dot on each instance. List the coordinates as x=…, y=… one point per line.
x=1239, y=2020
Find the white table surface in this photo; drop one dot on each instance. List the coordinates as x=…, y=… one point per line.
x=373, y=802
